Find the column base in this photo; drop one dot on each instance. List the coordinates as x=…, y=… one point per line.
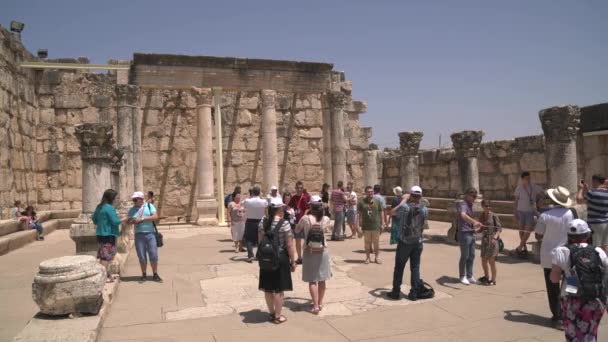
x=82, y=231
x=206, y=212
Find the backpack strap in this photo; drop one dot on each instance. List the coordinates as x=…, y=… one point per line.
x=574, y=213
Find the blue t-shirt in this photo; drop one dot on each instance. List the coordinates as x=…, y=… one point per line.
x=597, y=206
x=380, y=199
x=147, y=211
x=463, y=225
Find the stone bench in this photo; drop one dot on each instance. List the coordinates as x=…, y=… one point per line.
x=16, y=238
x=437, y=214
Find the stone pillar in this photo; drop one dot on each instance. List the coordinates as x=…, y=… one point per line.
x=371, y=168
x=560, y=126
x=466, y=145
x=337, y=102
x=126, y=98
x=270, y=161
x=409, y=143
x=138, y=167
x=206, y=204
x=327, y=146
x=96, y=152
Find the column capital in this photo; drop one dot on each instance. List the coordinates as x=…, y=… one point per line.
x=117, y=159
x=338, y=100
x=560, y=123
x=410, y=142
x=127, y=95
x=204, y=96
x=95, y=140
x=268, y=98
x=466, y=143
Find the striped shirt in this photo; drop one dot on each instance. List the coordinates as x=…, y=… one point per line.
x=597, y=206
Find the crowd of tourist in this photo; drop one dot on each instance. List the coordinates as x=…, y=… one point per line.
x=290, y=229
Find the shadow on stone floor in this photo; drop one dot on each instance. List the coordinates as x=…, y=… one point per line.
x=512, y=260
x=255, y=316
x=354, y=261
x=519, y=316
x=447, y=280
x=224, y=240
x=132, y=279
x=380, y=292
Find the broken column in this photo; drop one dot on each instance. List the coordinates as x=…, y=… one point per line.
x=466, y=145
x=127, y=101
x=560, y=125
x=69, y=285
x=327, y=146
x=97, y=153
x=270, y=161
x=206, y=205
x=371, y=167
x=337, y=102
x=409, y=144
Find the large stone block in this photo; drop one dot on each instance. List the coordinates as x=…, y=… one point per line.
x=69, y=284
x=71, y=101
x=533, y=162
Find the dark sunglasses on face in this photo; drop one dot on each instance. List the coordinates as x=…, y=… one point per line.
x=486, y=206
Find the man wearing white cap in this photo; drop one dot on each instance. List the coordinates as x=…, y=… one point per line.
x=552, y=230
x=583, y=268
x=411, y=216
x=274, y=193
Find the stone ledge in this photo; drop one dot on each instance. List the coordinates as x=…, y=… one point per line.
x=44, y=328
x=18, y=239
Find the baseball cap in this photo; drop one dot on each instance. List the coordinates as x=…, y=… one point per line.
x=138, y=194
x=416, y=190
x=273, y=188
x=276, y=202
x=578, y=227
x=315, y=199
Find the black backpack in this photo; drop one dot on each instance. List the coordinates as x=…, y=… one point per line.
x=315, y=240
x=413, y=225
x=425, y=291
x=268, y=248
x=587, y=267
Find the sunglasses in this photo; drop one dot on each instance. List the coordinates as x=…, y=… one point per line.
x=486, y=206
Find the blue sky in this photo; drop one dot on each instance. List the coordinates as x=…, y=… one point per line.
x=433, y=66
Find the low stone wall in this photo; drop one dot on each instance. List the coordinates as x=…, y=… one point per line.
x=500, y=165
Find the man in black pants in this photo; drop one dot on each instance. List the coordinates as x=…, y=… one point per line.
x=552, y=230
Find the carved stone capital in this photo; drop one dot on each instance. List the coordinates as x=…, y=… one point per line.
x=560, y=123
x=410, y=142
x=338, y=100
x=117, y=159
x=466, y=143
x=95, y=140
x=204, y=96
x=127, y=95
x=269, y=98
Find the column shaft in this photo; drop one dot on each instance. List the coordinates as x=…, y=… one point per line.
x=138, y=170
x=409, y=143
x=371, y=168
x=337, y=103
x=327, y=146
x=204, y=147
x=270, y=161
x=466, y=144
x=126, y=96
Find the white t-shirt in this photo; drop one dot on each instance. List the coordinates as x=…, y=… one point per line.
x=351, y=200
x=526, y=196
x=256, y=207
x=553, y=225
x=560, y=257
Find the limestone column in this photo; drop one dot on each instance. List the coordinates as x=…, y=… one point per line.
x=337, y=102
x=327, y=146
x=138, y=168
x=560, y=125
x=97, y=153
x=126, y=98
x=270, y=161
x=466, y=144
x=206, y=205
x=371, y=168
x=409, y=144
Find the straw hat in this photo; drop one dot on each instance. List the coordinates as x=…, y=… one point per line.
x=397, y=190
x=560, y=195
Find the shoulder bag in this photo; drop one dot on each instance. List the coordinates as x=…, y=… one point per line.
x=159, y=236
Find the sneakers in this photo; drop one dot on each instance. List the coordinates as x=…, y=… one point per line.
x=156, y=278
x=394, y=295
x=465, y=281
x=412, y=296
x=472, y=280
x=143, y=278
x=250, y=260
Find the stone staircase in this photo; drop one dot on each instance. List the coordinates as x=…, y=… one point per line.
x=13, y=235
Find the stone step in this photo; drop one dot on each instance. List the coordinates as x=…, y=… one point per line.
x=19, y=238
x=435, y=214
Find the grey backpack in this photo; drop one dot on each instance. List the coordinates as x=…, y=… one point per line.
x=413, y=225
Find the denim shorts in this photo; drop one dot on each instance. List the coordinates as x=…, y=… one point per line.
x=525, y=218
x=145, y=245
x=351, y=216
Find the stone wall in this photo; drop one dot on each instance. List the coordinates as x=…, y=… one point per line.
x=500, y=165
x=18, y=119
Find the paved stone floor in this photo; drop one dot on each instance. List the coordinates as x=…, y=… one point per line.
x=209, y=294
x=17, y=270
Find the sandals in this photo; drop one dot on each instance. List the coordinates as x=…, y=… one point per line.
x=279, y=320
x=314, y=311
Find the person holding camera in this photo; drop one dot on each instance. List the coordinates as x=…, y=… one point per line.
x=597, y=209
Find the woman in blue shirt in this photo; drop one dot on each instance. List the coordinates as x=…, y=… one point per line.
x=107, y=229
x=143, y=215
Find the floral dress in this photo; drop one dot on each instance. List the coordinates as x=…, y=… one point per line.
x=491, y=226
